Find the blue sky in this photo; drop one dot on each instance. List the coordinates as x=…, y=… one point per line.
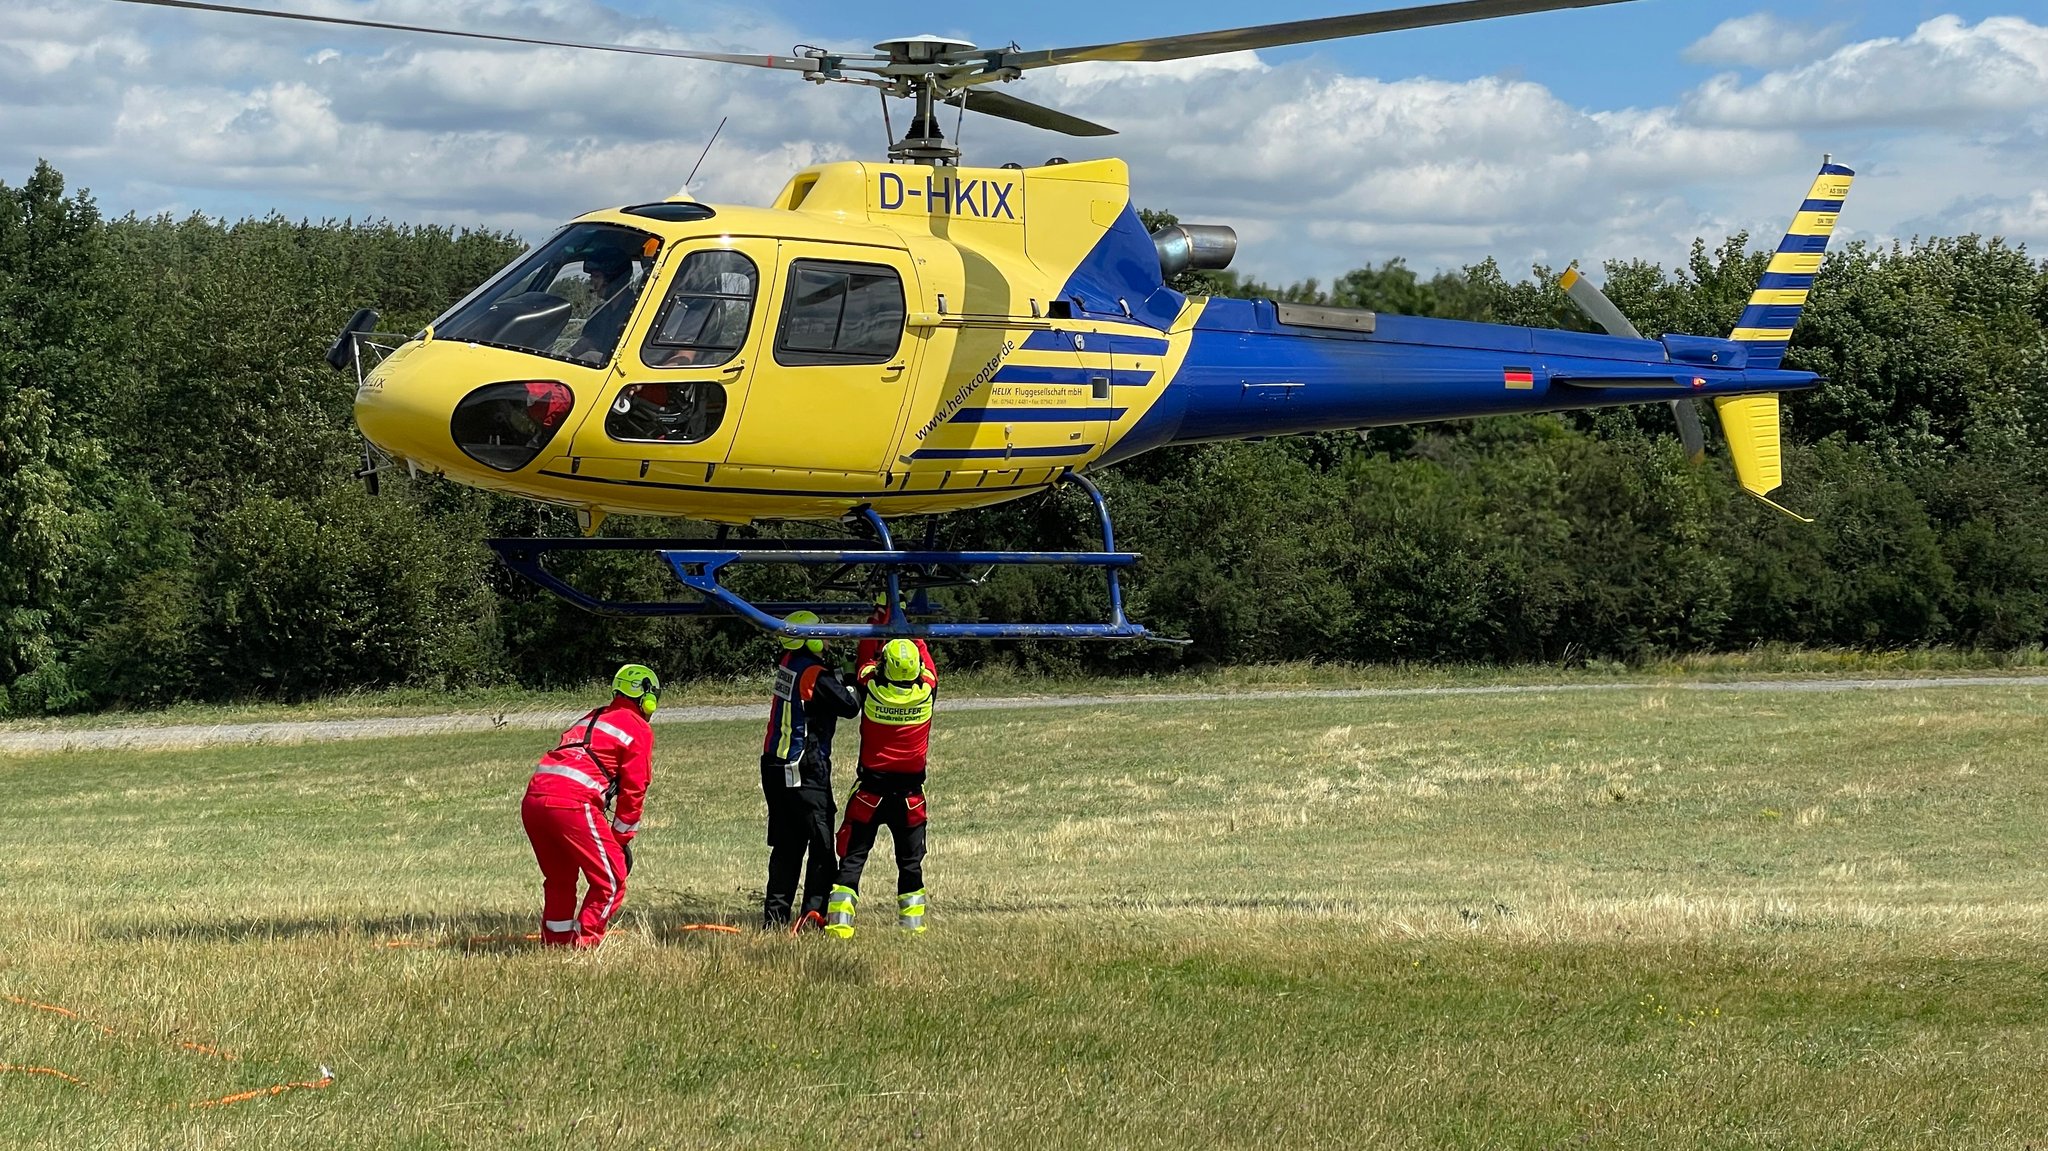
x=1622, y=130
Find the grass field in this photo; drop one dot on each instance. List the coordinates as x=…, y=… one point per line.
x=1758, y=663
x=1621, y=920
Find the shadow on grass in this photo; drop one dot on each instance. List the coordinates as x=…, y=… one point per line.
x=670, y=918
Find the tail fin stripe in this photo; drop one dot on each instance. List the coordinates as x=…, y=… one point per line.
x=1785, y=282
x=1811, y=244
x=1793, y=298
x=1761, y=315
x=1828, y=206
x=1798, y=263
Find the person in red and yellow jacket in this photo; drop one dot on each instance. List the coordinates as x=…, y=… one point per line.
x=899, y=684
x=602, y=762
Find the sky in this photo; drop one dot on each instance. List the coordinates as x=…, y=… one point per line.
x=1613, y=132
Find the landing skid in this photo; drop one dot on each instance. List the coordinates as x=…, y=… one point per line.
x=907, y=575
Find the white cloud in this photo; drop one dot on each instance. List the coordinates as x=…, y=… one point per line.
x=1319, y=171
x=1761, y=40
x=1945, y=73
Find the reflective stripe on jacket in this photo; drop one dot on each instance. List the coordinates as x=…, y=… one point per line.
x=605, y=755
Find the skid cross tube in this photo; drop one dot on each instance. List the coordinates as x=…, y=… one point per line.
x=700, y=565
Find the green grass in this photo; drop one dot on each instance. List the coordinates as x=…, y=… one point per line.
x=1759, y=663
x=1636, y=919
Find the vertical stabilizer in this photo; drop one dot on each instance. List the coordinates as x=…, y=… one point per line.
x=1766, y=324
x=1751, y=422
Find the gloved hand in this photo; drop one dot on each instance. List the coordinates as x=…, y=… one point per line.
x=626, y=849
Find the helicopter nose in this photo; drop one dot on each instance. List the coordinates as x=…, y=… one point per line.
x=400, y=421
x=441, y=416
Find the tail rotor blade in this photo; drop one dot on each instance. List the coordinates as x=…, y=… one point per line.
x=1601, y=311
x=1596, y=305
x=1689, y=431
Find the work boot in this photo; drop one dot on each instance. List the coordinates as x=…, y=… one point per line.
x=910, y=911
x=839, y=911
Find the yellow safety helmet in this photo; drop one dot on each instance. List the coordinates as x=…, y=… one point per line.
x=792, y=642
x=900, y=662
x=637, y=681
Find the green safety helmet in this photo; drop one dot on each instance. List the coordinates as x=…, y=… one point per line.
x=793, y=642
x=900, y=662
x=637, y=681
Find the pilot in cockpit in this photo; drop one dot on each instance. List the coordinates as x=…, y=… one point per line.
x=612, y=284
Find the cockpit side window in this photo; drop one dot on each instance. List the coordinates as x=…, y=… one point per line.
x=704, y=318
x=839, y=313
x=569, y=299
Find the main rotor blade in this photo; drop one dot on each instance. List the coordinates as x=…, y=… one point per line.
x=786, y=63
x=1025, y=112
x=1293, y=32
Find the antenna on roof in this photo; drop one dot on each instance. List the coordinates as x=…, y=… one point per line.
x=706, y=152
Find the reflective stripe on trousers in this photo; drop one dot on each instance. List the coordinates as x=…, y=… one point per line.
x=910, y=910
x=839, y=910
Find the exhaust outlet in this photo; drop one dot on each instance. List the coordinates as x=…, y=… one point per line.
x=1194, y=247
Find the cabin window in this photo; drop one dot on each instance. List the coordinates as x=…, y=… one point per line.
x=676, y=412
x=704, y=318
x=840, y=314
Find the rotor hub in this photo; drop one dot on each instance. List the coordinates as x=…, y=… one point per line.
x=926, y=49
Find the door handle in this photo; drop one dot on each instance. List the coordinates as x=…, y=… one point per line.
x=733, y=369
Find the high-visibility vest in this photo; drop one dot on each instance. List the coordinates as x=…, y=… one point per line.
x=894, y=705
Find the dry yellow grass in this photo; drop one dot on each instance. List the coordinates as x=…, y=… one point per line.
x=1658, y=919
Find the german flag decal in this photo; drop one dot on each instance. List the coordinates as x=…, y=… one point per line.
x=1518, y=379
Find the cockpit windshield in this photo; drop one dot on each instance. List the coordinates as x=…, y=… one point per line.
x=568, y=300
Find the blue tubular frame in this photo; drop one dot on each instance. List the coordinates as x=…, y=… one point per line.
x=699, y=564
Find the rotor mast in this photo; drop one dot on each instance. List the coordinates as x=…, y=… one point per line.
x=916, y=64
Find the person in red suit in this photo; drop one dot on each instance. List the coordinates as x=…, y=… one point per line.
x=582, y=809
x=898, y=686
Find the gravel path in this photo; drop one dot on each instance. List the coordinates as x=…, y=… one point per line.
x=185, y=736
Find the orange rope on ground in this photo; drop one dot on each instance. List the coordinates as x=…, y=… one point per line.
x=40, y=1071
x=199, y=1048
x=60, y=1011
x=326, y=1080
x=726, y=928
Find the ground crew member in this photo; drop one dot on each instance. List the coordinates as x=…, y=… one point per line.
x=603, y=759
x=809, y=700
x=898, y=687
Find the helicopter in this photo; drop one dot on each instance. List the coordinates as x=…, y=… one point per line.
x=914, y=336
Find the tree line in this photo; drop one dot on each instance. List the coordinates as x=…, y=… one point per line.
x=181, y=518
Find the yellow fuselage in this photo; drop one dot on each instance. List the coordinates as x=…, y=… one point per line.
x=995, y=386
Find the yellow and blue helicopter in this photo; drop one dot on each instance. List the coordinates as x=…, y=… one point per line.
x=915, y=336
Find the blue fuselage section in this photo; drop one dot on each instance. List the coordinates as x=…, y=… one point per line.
x=1248, y=374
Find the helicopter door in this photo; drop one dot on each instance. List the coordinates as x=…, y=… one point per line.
x=679, y=387
x=829, y=384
